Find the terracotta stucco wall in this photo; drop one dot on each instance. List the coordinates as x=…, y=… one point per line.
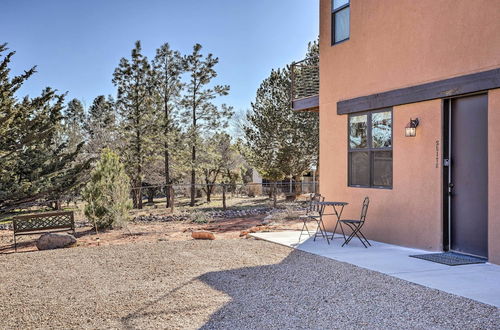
x=410, y=213
x=399, y=43
x=395, y=44
x=494, y=176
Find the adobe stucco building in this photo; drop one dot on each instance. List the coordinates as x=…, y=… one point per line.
x=383, y=63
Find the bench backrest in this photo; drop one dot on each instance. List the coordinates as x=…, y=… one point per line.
x=43, y=221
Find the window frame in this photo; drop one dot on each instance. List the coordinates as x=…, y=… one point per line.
x=370, y=149
x=334, y=11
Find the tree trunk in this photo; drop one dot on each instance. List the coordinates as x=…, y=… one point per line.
x=151, y=195
x=138, y=179
x=171, y=200
x=209, y=192
x=167, y=131
x=139, y=196
x=298, y=185
x=223, y=196
x=57, y=205
x=274, y=192
x=193, y=187
x=167, y=175
x=136, y=195
x=193, y=161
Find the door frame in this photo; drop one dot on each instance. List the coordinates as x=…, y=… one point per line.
x=445, y=162
x=446, y=168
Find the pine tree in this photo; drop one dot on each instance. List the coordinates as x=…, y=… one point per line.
x=34, y=163
x=307, y=125
x=75, y=113
x=200, y=114
x=101, y=114
x=267, y=129
x=74, y=119
x=167, y=70
x=280, y=142
x=107, y=192
x=100, y=126
x=134, y=101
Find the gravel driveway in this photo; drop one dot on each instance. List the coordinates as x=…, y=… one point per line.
x=217, y=284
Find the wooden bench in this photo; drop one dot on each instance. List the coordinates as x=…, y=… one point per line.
x=41, y=223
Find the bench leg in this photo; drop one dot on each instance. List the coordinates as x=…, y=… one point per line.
x=15, y=243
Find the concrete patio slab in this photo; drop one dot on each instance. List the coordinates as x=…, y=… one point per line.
x=480, y=282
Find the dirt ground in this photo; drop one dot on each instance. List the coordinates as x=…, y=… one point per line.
x=137, y=232
x=151, y=231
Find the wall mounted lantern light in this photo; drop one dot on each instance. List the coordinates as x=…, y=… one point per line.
x=411, y=128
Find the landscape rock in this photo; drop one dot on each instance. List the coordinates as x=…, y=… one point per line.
x=202, y=235
x=254, y=230
x=51, y=241
x=6, y=226
x=185, y=216
x=268, y=219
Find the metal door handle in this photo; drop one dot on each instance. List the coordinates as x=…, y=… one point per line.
x=451, y=185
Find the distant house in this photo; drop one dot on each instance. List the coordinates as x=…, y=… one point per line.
x=308, y=184
x=409, y=102
x=256, y=178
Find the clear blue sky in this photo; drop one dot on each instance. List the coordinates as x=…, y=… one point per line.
x=77, y=44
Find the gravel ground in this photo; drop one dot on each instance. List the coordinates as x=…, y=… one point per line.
x=217, y=284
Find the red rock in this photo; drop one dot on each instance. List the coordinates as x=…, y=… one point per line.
x=202, y=235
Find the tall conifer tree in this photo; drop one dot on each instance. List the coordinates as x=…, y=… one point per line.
x=167, y=70
x=268, y=128
x=280, y=142
x=133, y=79
x=74, y=119
x=34, y=162
x=200, y=114
x=100, y=126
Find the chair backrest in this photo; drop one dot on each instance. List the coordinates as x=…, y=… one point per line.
x=364, y=209
x=314, y=206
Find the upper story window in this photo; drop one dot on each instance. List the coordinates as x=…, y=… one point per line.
x=370, y=149
x=340, y=20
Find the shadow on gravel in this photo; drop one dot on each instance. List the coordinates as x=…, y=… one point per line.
x=129, y=320
x=307, y=291
x=270, y=296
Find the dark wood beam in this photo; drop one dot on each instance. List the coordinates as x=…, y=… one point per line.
x=470, y=83
x=310, y=103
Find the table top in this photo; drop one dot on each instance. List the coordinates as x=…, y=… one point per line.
x=327, y=203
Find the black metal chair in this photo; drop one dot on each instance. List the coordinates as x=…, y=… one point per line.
x=356, y=225
x=313, y=213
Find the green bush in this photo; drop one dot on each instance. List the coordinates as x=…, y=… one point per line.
x=107, y=193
